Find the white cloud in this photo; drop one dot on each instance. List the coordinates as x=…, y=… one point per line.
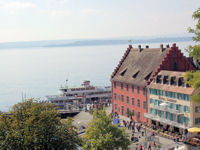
x=90, y=11
x=19, y=5
x=57, y=12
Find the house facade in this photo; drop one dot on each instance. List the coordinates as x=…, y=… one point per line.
x=135, y=72
x=170, y=105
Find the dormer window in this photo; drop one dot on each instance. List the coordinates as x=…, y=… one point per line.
x=173, y=81
x=180, y=82
x=123, y=72
x=135, y=75
x=158, y=79
x=165, y=80
x=148, y=76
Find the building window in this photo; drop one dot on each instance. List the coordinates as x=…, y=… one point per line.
x=178, y=96
x=185, y=108
x=177, y=106
x=122, y=86
x=170, y=94
x=188, y=97
x=115, y=85
x=119, y=97
x=127, y=111
x=138, y=103
x=115, y=106
x=197, y=120
x=166, y=94
x=138, y=90
x=144, y=91
x=115, y=96
x=127, y=87
x=197, y=109
x=133, y=88
x=138, y=115
x=122, y=97
x=162, y=93
x=133, y=102
x=151, y=110
x=118, y=109
x=122, y=110
x=144, y=105
x=183, y=96
x=149, y=91
x=188, y=109
x=127, y=98
x=173, y=95
x=151, y=101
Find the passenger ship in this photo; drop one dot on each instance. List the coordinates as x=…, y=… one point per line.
x=80, y=96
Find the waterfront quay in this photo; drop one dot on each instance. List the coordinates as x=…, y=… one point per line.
x=82, y=120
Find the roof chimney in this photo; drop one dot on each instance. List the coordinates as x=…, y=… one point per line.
x=139, y=48
x=161, y=48
x=147, y=46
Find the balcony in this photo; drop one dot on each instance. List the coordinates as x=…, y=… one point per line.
x=166, y=121
x=166, y=109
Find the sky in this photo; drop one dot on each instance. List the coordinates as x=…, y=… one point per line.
x=34, y=20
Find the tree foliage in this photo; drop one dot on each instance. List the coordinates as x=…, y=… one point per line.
x=34, y=125
x=102, y=134
x=193, y=77
x=194, y=51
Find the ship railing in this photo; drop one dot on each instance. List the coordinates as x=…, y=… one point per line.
x=166, y=108
x=56, y=97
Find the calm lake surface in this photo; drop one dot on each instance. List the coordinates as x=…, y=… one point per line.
x=37, y=72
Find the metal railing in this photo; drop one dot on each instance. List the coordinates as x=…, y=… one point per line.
x=167, y=109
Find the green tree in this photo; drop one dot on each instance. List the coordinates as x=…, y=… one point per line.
x=130, y=113
x=34, y=125
x=193, y=77
x=103, y=135
x=194, y=51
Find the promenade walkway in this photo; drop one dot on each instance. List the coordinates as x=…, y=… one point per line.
x=83, y=119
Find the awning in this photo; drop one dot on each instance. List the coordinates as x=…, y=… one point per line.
x=193, y=130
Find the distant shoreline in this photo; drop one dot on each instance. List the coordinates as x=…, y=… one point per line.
x=90, y=42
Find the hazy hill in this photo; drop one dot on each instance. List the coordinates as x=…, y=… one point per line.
x=92, y=42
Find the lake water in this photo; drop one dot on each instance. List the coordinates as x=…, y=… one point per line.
x=37, y=72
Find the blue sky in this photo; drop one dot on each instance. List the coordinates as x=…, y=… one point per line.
x=30, y=20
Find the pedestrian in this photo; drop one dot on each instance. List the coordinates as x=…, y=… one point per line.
x=154, y=143
x=142, y=133
x=140, y=147
x=149, y=148
x=129, y=126
x=133, y=126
